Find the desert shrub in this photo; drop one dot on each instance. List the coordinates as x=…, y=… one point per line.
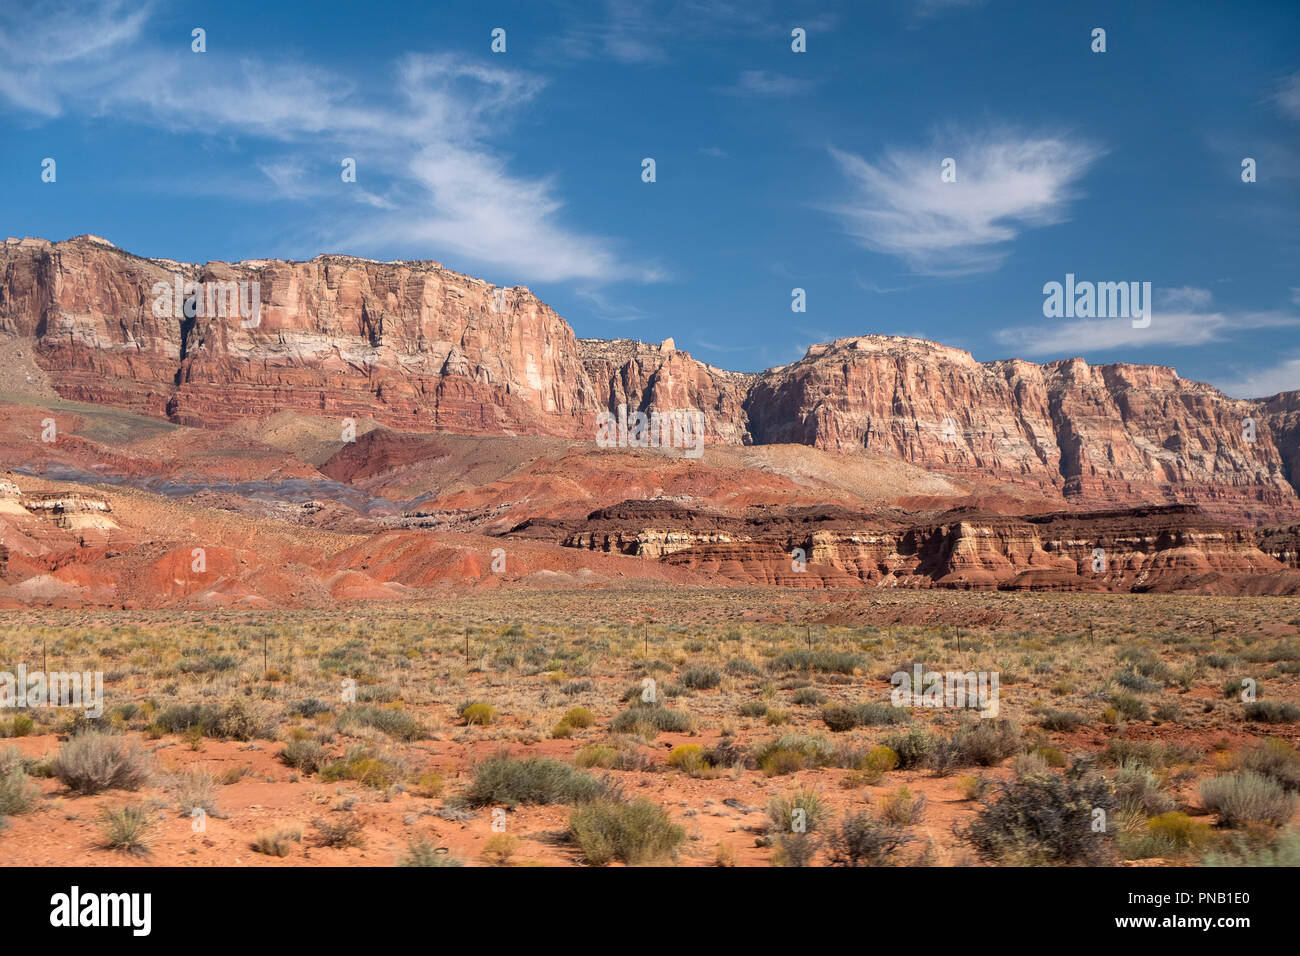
x=839, y=717
x=701, y=678
x=1167, y=711
x=738, y=667
x=1283, y=851
x=577, y=687
x=234, y=721
x=1276, y=759
x=1139, y=790
x=499, y=848
x=1217, y=661
x=196, y=789
x=360, y=764
x=809, y=697
x=753, y=708
x=429, y=784
x=277, y=842
x=1152, y=753
x=973, y=786
x=1130, y=680
x=1130, y=707
x=209, y=664
x=478, y=714
x=1272, y=712
x=793, y=752
x=93, y=762
x=618, y=753
x=688, y=758
x=1247, y=797
x=902, y=808
x=395, y=723
x=1052, y=755
x=1179, y=829
x=728, y=753
x=635, y=832
x=422, y=852
x=1029, y=764
x=913, y=746
x=345, y=830
x=870, y=766
x=305, y=756
x=1061, y=720
x=232, y=775
x=17, y=792
x=307, y=707
x=127, y=829
x=579, y=717
x=1168, y=835
x=988, y=742
x=503, y=780
x=1232, y=688
x=794, y=850
x=838, y=662
x=649, y=720
x=377, y=693
x=861, y=840
x=781, y=810
x=1044, y=818
x=21, y=726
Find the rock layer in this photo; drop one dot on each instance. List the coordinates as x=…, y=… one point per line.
x=418, y=347
x=1167, y=548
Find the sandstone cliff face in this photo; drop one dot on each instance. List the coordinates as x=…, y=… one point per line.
x=409, y=344
x=1281, y=414
x=660, y=378
x=1117, y=434
x=420, y=348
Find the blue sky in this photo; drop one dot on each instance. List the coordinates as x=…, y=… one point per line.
x=774, y=169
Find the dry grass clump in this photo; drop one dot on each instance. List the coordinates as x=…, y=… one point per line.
x=92, y=762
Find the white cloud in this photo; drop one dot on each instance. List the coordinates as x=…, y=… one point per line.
x=767, y=83
x=1006, y=182
x=1184, y=297
x=1287, y=96
x=1066, y=338
x=606, y=309
x=448, y=190
x=1262, y=383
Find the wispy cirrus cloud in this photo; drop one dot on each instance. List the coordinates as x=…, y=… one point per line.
x=436, y=183
x=768, y=83
x=1184, y=297
x=1182, y=317
x=1007, y=182
x=1286, y=96
x=1261, y=382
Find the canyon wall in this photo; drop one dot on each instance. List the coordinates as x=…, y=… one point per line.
x=417, y=347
